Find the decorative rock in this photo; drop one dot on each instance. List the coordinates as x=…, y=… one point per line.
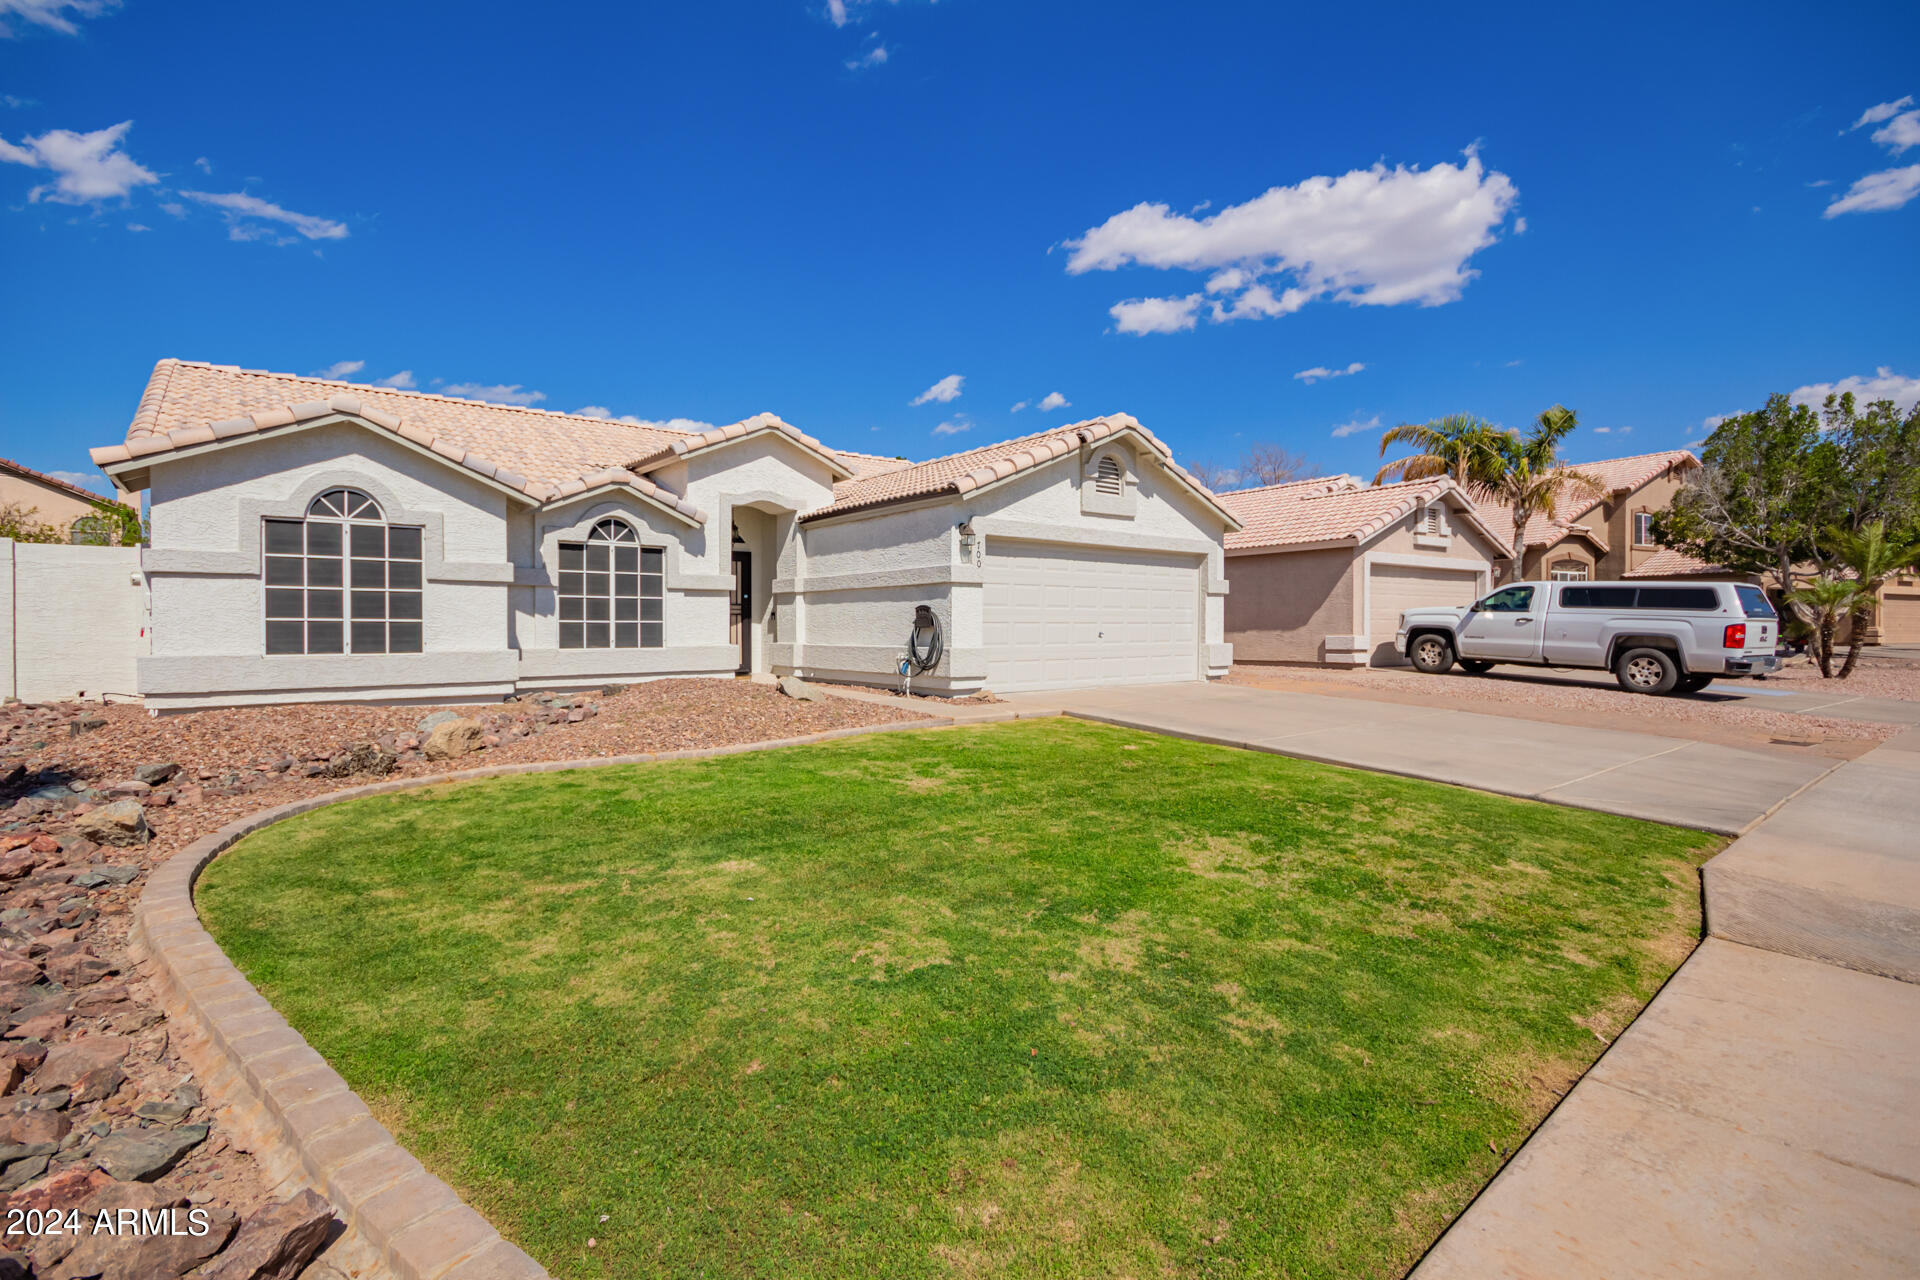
x=64, y=1190
x=22, y=1171
x=41, y=1027
x=453, y=738
x=155, y=774
x=795, y=687
x=277, y=1241
x=31, y=1128
x=141, y=1155
x=13, y=968
x=69, y=1063
x=121, y=823
x=434, y=721
x=131, y=787
x=85, y=724
x=361, y=757
x=79, y=970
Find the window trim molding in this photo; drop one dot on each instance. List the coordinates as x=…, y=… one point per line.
x=1633, y=526
x=251, y=515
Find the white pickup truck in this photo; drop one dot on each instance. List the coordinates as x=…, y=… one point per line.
x=1654, y=638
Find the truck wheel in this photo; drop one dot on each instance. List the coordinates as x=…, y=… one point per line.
x=1647, y=671
x=1475, y=666
x=1431, y=654
x=1694, y=683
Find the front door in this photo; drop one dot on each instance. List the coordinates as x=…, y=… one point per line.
x=1505, y=626
x=740, y=609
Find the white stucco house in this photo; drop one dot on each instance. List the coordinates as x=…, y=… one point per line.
x=319, y=540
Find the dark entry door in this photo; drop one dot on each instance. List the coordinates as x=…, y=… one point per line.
x=740, y=609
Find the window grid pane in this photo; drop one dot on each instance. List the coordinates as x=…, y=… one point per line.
x=610, y=590
x=343, y=543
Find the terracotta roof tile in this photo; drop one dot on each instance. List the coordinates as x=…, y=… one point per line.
x=188, y=402
x=1333, y=509
x=1541, y=531
x=723, y=435
x=1668, y=563
x=964, y=472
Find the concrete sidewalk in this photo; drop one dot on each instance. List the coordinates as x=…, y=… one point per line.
x=1693, y=784
x=1762, y=1116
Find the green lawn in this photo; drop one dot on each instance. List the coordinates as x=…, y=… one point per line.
x=1041, y=999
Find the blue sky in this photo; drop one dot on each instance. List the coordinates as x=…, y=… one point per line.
x=829, y=209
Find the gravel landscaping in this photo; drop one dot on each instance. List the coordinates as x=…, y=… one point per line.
x=101, y=1112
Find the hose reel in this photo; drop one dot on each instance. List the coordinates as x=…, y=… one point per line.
x=925, y=644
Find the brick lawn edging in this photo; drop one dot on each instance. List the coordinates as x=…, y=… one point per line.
x=319, y=1132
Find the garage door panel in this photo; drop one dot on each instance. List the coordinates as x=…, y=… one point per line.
x=1395, y=588
x=1057, y=617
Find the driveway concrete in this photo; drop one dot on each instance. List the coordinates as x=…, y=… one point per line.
x=1692, y=784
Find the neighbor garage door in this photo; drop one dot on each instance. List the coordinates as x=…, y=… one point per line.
x=1058, y=616
x=1900, y=620
x=1397, y=587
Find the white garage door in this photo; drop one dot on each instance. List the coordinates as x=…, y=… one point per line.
x=1062, y=616
x=1398, y=587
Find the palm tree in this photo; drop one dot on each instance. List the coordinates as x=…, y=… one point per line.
x=1872, y=557
x=1529, y=478
x=1458, y=445
x=1826, y=601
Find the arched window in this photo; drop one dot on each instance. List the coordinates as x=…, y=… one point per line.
x=343, y=580
x=1567, y=571
x=612, y=590
x=1108, y=477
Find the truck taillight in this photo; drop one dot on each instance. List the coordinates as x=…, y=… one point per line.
x=1736, y=637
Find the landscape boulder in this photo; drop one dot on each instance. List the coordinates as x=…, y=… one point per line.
x=122, y=823
x=277, y=1241
x=155, y=774
x=453, y=738
x=795, y=687
x=434, y=721
x=141, y=1155
x=77, y=1060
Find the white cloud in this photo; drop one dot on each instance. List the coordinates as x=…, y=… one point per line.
x=203, y=164
x=1888, y=189
x=1018, y=407
x=1155, y=315
x=401, y=381
x=945, y=391
x=82, y=479
x=1900, y=133
x=138, y=226
x=953, y=426
x=340, y=369
x=1055, y=400
x=1884, y=111
x=593, y=411
x=874, y=57
x=15, y=100
x=175, y=208
x=1356, y=426
x=669, y=424
x=496, y=393
x=1371, y=237
x=1885, y=384
x=88, y=166
x=1519, y=226
x=237, y=205
x=52, y=14
x=1315, y=374
x=1713, y=420
x=1610, y=431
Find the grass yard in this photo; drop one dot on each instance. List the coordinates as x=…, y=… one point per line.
x=1041, y=999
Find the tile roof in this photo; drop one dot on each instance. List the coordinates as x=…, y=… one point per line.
x=1616, y=475
x=739, y=431
x=532, y=450
x=964, y=472
x=52, y=482
x=1333, y=509
x=1541, y=531
x=1668, y=563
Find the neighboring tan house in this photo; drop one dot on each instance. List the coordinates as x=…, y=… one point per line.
x=1322, y=569
x=52, y=501
x=318, y=540
x=1607, y=539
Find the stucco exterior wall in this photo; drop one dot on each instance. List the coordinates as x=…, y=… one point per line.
x=70, y=620
x=1284, y=605
x=862, y=578
x=207, y=636
x=51, y=506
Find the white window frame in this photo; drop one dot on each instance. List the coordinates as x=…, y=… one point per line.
x=1639, y=541
x=616, y=535
x=1569, y=571
x=349, y=509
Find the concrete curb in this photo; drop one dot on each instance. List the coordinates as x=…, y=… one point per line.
x=306, y=1123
